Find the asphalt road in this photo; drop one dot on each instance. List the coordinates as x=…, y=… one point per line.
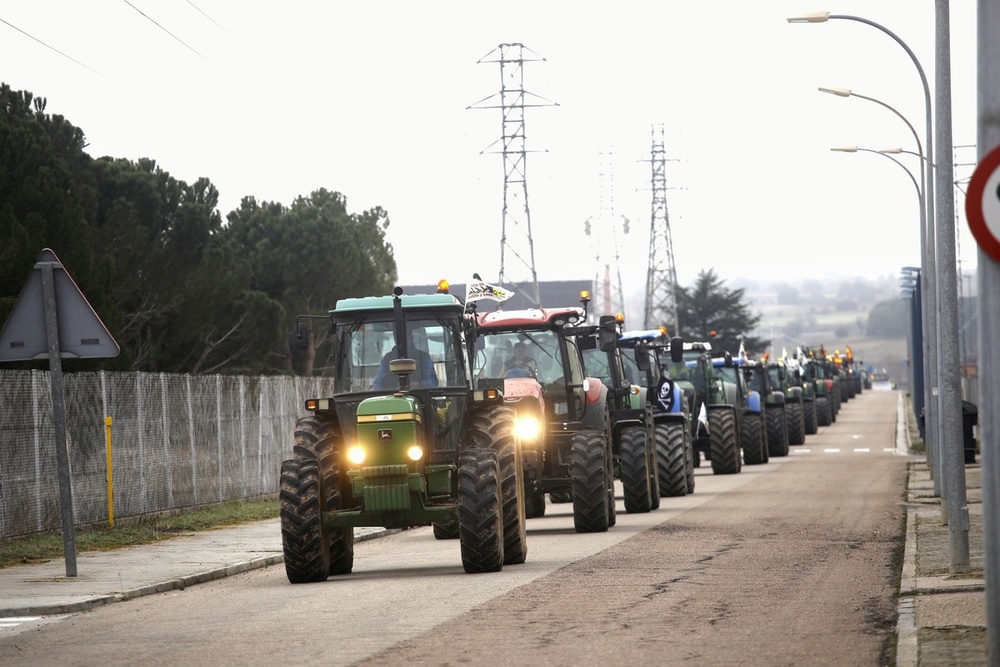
x=789, y=563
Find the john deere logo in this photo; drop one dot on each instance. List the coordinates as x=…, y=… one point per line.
x=385, y=435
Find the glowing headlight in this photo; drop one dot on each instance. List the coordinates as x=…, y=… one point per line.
x=527, y=428
x=415, y=453
x=356, y=454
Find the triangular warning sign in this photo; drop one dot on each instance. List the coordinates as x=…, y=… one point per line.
x=82, y=334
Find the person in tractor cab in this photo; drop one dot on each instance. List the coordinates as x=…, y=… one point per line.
x=519, y=365
x=423, y=377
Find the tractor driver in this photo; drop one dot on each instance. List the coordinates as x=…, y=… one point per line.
x=424, y=376
x=519, y=365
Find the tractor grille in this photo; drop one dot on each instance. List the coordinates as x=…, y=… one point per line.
x=386, y=488
x=561, y=407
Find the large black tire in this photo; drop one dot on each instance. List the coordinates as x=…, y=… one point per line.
x=777, y=430
x=635, y=470
x=724, y=444
x=319, y=439
x=534, y=504
x=557, y=497
x=752, y=439
x=809, y=412
x=590, y=489
x=445, y=531
x=796, y=423
x=691, y=457
x=306, y=557
x=823, y=415
x=479, y=511
x=671, y=459
x=654, y=470
x=492, y=427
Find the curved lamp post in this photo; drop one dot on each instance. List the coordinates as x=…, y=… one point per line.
x=927, y=256
x=946, y=411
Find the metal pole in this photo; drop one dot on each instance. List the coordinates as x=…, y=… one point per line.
x=949, y=379
x=987, y=291
x=59, y=416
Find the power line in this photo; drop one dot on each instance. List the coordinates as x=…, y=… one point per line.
x=48, y=46
x=168, y=32
x=213, y=20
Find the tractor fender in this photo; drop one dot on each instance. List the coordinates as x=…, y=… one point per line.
x=753, y=401
x=796, y=393
x=776, y=398
x=829, y=385
x=597, y=392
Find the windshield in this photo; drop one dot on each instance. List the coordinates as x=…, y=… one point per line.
x=518, y=354
x=596, y=363
x=368, y=343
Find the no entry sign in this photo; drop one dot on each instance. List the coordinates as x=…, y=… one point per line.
x=982, y=204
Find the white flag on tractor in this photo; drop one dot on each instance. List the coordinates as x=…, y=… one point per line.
x=478, y=289
x=703, y=416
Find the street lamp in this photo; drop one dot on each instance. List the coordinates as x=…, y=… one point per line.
x=927, y=249
x=916, y=338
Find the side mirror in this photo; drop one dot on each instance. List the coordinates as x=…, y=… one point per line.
x=608, y=332
x=301, y=336
x=641, y=357
x=677, y=349
x=729, y=360
x=588, y=343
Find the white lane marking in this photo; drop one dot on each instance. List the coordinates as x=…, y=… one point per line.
x=830, y=450
x=801, y=451
x=862, y=450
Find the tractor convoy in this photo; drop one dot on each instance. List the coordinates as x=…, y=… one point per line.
x=472, y=422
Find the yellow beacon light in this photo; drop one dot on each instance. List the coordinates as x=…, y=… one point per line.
x=443, y=286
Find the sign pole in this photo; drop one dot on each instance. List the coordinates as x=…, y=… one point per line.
x=59, y=415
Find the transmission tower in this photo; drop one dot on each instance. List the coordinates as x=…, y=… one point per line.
x=517, y=248
x=608, y=291
x=661, y=273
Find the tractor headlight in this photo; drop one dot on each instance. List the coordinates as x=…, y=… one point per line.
x=415, y=453
x=527, y=428
x=356, y=455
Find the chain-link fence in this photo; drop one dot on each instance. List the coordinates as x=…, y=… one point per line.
x=176, y=441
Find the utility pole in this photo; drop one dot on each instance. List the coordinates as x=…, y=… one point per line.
x=517, y=248
x=661, y=273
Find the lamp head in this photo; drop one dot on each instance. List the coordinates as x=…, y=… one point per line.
x=813, y=17
x=845, y=149
x=839, y=92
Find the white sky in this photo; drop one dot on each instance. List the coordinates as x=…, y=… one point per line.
x=370, y=99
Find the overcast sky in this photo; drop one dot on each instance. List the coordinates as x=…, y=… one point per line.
x=371, y=99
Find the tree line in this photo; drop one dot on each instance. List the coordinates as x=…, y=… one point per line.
x=181, y=291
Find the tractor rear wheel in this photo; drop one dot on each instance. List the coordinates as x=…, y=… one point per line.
x=823, y=415
x=560, y=497
x=492, y=427
x=777, y=433
x=307, y=558
x=809, y=412
x=671, y=459
x=635, y=470
x=690, y=457
x=754, y=447
x=318, y=439
x=796, y=424
x=589, y=471
x=479, y=511
x=445, y=531
x=724, y=445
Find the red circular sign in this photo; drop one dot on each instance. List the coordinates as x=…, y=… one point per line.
x=982, y=204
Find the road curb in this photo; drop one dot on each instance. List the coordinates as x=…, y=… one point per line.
x=907, y=648
x=178, y=583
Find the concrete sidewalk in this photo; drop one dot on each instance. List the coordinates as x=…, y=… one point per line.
x=123, y=574
x=942, y=617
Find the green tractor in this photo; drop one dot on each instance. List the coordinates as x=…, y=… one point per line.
x=736, y=375
x=657, y=391
x=803, y=387
x=775, y=414
x=632, y=430
x=404, y=441
x=794, y=416
x=715, y=426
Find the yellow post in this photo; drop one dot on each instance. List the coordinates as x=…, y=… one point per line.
x=111, y=477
